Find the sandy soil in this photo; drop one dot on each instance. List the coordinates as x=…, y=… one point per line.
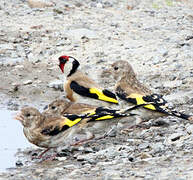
x=156, y=37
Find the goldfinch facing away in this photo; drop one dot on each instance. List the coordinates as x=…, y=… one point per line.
x=130, y=91
x=60, y=107
x=79, y=83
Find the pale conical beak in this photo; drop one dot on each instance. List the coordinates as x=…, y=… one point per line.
x=19, y=117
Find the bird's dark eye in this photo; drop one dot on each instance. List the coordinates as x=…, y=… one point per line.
x=28, y=115
x=116, y=68
x=53, y=107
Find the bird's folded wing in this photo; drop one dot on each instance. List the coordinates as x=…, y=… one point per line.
x=103, y=95
x=62, y=124
x=153, y=102
x=103, y=113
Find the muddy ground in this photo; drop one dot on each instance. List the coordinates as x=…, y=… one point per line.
x=156, y=37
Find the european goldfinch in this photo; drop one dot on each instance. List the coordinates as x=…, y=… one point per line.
x=62, y=107
x=130, y=91
x=51, y=131
x=80, y=84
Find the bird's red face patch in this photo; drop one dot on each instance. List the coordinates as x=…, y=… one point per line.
x=63, y=60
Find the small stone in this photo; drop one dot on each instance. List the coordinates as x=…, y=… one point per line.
x=80, y=158
x=131, y=159
x=19, y=163
x=57, y=84
x=175, y=136
x=76, y=172
x=70, y=166
x=160, y=123
x=99, y=5
x=19, y=67
x=27, y=82
x=63, y=153
x=12, y=105
x=61, y=158
x=39, y=3
x=145, y=155
x=164, y=52
x=190, y=129
x=34, y=154
x=143, y=146
x=87, y=158
x=88, y=150
x=78, y=34
x=157, y=147
x=171, y=84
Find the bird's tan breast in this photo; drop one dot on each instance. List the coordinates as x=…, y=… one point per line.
x=35, y=137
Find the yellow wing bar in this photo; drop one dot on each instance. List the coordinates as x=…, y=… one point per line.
x=139, y=100
x=102, y=96
x=69, y=122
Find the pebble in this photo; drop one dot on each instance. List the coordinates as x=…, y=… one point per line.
x=27, y=82
x=19, y=163
x=175, y=136
x=70, y=166
x=61, y=158
x=189, y=129
x=157, y=147
x=57, y=84
x=75, y=173
x=39, y=3
x=78, y=34
x=143, y=146
x=87, y=158
x=172, y=84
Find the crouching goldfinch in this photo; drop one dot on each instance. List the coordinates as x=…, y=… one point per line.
x=53, y=130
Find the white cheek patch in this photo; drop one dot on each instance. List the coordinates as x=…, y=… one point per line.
x=67, y=68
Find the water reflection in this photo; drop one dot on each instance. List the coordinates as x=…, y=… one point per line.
x=11, y=138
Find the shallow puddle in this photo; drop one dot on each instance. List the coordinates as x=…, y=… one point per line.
x=11, y=139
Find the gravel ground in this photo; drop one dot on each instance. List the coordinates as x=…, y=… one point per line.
x=155, y=36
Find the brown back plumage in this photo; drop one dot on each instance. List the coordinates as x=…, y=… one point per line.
x=61, y=107
x=57, y=107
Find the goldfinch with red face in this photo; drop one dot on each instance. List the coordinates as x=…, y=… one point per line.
x=130, y=91
x=79, y=83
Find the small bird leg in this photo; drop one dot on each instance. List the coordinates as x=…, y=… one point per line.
x=49, y=157
x=40, y=156
x=90, y=136
x=107, y=133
